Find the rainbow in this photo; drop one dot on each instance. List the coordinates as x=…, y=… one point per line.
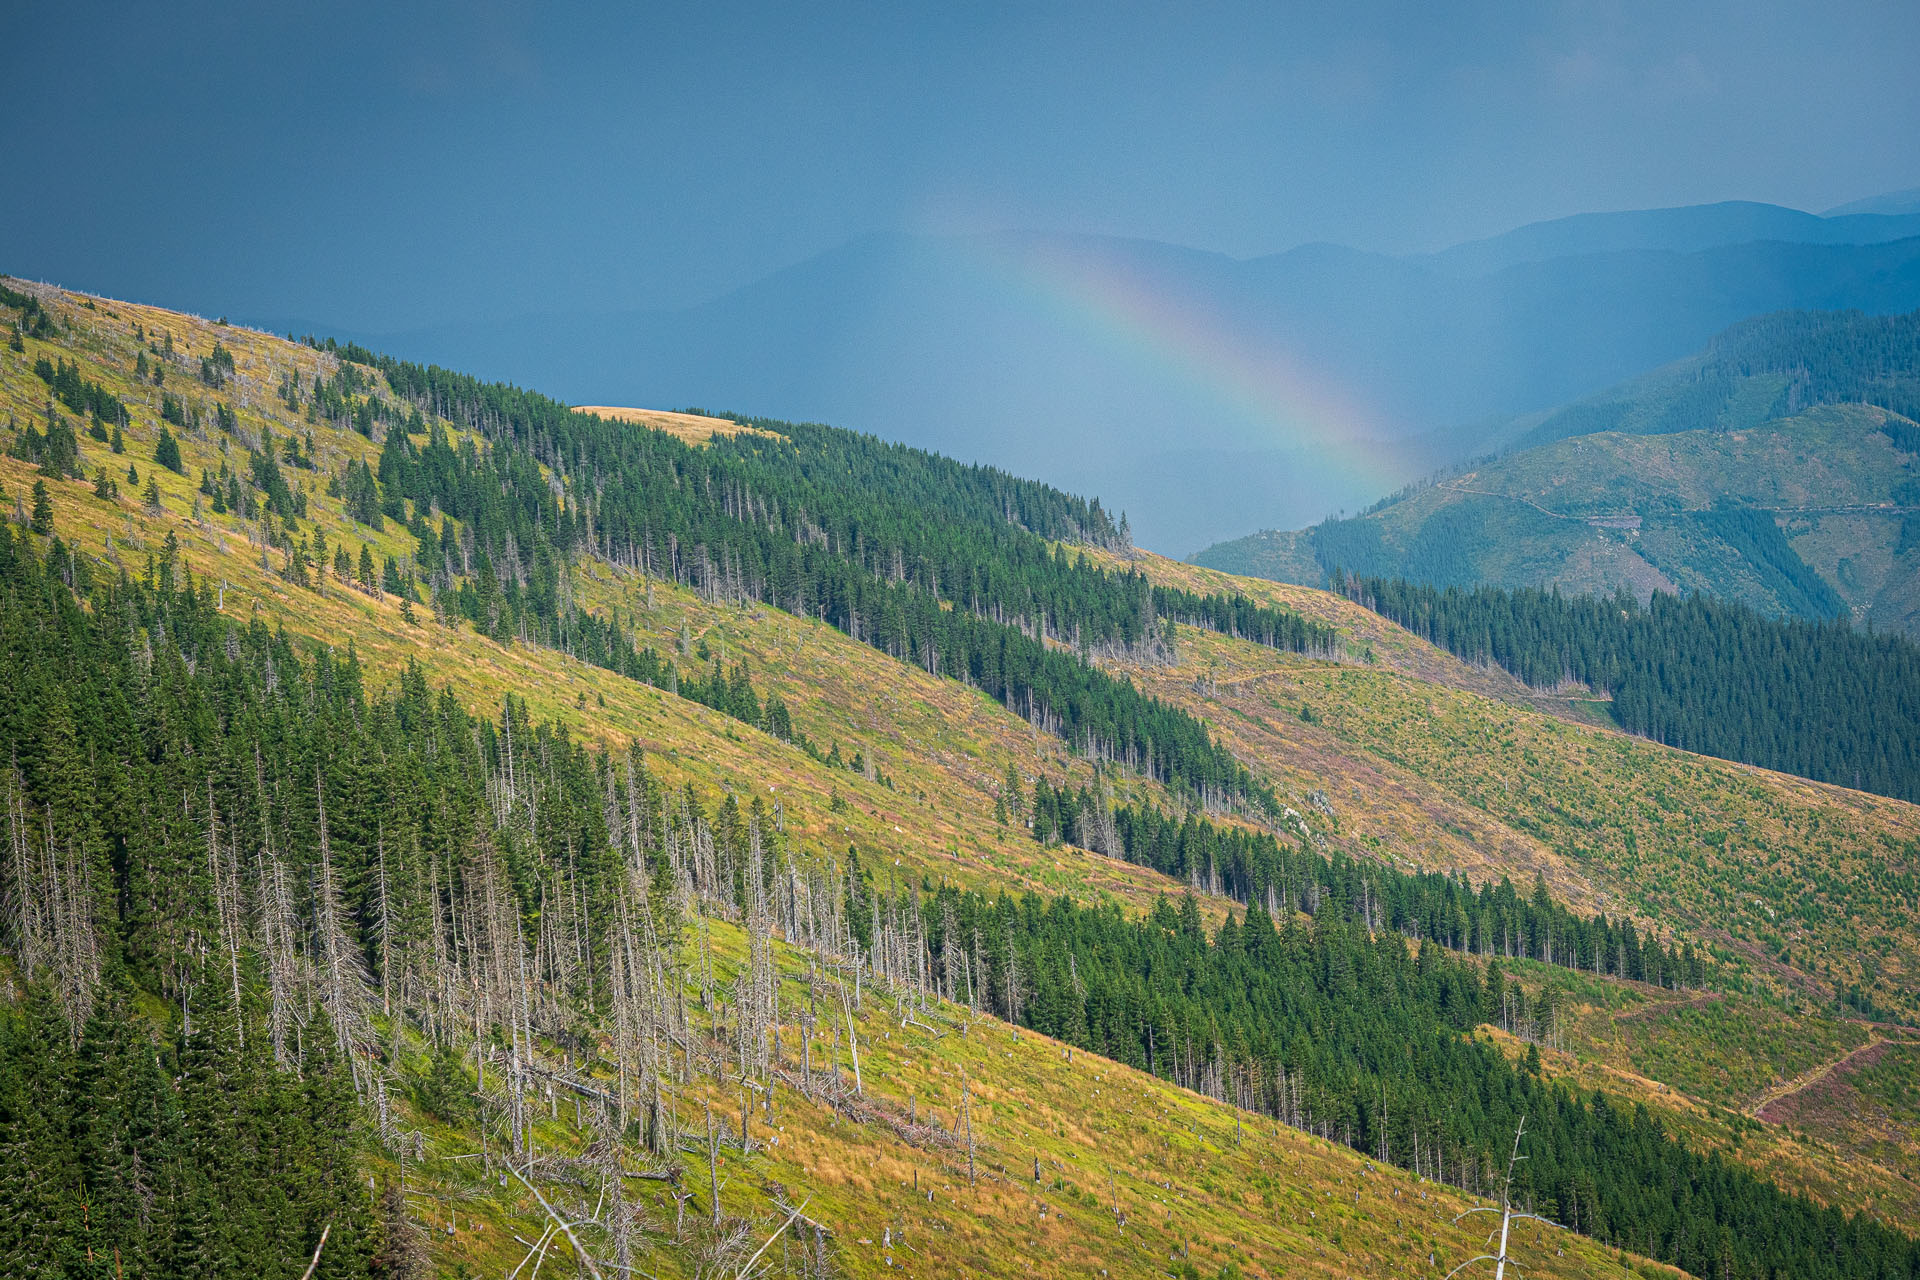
x=1277, y=400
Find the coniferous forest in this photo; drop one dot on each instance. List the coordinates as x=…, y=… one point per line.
x=1817, y=699
x=244, y=890
x=469, y=813
x=301, y=870
x=833, y=524
x=937, y=563
x=1289, y=876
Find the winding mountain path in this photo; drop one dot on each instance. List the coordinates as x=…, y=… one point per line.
x=1807, y=1079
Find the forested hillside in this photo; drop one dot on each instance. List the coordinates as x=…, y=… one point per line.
x=1776, y=468
x=1822, y=701
x=932, y=562
x=1772, y=366
x=368, y=873
x=455, y=832
x=1675, y=559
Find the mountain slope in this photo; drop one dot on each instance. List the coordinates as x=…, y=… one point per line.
x=933, y=756
x=1597, y=513
x=1292, y=383
x=1620, y=490
x=1611, y=821
x=1765, y=368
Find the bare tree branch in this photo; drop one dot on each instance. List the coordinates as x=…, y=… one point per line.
x=748, y=1264
x=579, y=1250
x=312, y=1266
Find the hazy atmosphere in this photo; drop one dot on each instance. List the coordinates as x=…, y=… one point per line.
x=593, y=201
x=387, y=167
x=801, y=642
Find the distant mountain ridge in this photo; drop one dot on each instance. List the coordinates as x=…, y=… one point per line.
x=1907, y=201
x=1779, y=467
x=1202, y=394
x=1687, y=229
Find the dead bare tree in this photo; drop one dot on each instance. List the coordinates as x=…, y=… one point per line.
x=345, y=984
x=50, y=896
x=313, y=1265
x=713, y=1165
x=966, y=1110
x=1507, y=1217
x=579, y=1250
x=853, y=1037
x=746, y=1268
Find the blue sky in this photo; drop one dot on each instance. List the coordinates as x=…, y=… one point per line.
x=381, y=167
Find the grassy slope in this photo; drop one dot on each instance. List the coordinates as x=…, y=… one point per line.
x=1835, y=455
x=1434, y=764
x=1193, y=1180
x=1804, y=883
x=943, y=745
x=1790, y=1094
x=936, y=740
x=1284, y=555
x=1541, y=516
x=694, y=428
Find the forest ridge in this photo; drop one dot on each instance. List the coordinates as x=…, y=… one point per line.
x=605, y=845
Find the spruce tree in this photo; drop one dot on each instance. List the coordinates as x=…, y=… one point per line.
x=42, y=508
x=167, y=452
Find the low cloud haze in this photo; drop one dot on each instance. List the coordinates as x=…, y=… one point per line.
x=650, y=203
x=390, y=167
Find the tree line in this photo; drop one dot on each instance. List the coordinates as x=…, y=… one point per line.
x=1288, y=875
x=1821, y=700
x=961, y=569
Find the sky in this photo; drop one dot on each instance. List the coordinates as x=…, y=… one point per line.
x=379, y=168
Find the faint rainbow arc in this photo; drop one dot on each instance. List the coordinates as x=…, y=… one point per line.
x=1265, y=387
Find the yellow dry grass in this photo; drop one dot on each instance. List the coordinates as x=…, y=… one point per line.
x=1136, y=1176
x=1829, y=1162
x=693, y=428
x=1803, y=884
x=944, y=746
